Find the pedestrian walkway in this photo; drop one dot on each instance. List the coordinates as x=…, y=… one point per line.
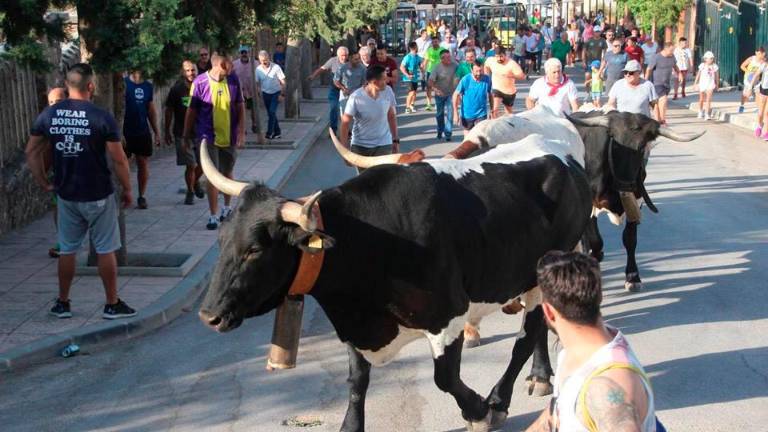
x=725, y=107
x=28, y=277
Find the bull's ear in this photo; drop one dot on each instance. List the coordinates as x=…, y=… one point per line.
x=311, y=242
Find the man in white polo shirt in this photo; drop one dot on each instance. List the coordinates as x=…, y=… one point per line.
x=372, y=109
x=554, y=90
x=270, y=79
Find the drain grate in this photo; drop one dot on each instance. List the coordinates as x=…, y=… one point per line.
x=303, y=421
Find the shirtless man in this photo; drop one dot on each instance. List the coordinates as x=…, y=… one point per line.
x=504, y=71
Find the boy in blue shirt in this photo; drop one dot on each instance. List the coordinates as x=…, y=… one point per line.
x=473, y=95
x=411, y=68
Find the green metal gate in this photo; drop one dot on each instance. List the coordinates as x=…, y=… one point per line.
x=717, y=30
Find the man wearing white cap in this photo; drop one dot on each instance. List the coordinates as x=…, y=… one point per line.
x=554, y=90
x=632, y=93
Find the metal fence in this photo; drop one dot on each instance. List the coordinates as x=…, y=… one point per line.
x=18, y=110
x=732, y=32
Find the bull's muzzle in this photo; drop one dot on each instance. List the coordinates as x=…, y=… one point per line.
x=209, y=319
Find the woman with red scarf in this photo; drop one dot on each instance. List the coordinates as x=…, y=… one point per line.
x=554, y=90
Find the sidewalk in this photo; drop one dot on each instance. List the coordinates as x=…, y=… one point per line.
x=725, y=107
x=28, y=277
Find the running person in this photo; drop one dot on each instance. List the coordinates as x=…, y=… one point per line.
x=752, y=67
x=660, y=73
x=442, y=81
x=503, y=71
x=472, y=98
x=431, y=59
x=411, y=68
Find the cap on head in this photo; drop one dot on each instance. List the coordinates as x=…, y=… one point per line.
x=243, y=48
x=597, y=28
x=595, y=64
x=708, y=54
x=632, y=66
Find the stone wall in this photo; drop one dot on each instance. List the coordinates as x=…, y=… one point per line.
x=21, y=199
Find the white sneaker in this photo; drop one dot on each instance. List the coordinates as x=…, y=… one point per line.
x=701, y=114
x=225, y=212
x=707, y=117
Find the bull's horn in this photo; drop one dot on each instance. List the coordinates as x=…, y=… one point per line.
x=370, y=161
x=674, y=136
x=301, y=215
x=602, y=120
x=222, y=183
x=306, y=221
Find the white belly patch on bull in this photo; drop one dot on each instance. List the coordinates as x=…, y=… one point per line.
x=437, y=342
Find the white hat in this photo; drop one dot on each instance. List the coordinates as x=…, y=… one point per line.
x=632, y=66
x=708, y=54
x=597, y=28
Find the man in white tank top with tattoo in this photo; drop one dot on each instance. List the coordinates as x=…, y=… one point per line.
x=599, y=384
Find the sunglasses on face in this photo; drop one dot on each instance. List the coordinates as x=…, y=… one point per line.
x=617, y=46
x=629, y=73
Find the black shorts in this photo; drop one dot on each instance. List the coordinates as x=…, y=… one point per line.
x=506, y=99
x=414, y=85
x=140, y=145
x=532, y=55
x=763, y=91
x=468, y=124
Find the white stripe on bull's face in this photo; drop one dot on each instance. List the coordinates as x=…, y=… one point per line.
x=526, y=149
x=513, y=128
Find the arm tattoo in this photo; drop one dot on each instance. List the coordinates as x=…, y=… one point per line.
x=608, y=405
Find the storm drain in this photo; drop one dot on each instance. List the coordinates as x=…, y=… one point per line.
x=305, y=421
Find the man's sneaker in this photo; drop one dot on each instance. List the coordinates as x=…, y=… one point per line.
x=213, y=223
x=60, y=309
x=408, y=110
x=701, y=114
x=268, y=136
x=741, y=109
x=199, y=192
x=225, y=212
x=706, y=116
x=117, y=310
x=413, y=109
x=439, y=135
x=190, y=198
x=141, y=203
x=447, y=138
x=428, y=107
x=54, y=251
x=277, y=136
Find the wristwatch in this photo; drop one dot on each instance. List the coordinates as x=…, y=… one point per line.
x=396, y=141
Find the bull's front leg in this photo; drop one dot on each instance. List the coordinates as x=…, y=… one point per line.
x=594, y=240
x=501, y=394
x=359, y=377
x=538, y=381
x=447, y=359
x=629, y=237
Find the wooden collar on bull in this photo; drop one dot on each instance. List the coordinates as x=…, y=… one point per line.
x=310, y=263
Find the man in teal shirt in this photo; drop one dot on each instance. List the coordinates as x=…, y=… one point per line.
x=474, y=96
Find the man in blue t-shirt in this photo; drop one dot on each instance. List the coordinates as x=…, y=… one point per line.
x=140, y=114
x=411, y=69
x=473, y=96
x=80, y=135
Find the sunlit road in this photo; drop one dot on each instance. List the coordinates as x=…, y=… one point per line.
x=700, y=326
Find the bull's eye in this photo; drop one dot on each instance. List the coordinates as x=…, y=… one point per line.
x=252, y=254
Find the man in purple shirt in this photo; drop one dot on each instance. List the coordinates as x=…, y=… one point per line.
x=217, y=114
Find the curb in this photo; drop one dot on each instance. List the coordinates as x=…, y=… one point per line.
x=744, y=120
x=167, y=308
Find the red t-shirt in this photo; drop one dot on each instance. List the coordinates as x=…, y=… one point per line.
x=634, y=52
x=389, y=66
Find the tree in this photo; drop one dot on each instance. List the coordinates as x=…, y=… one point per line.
x=660, y=13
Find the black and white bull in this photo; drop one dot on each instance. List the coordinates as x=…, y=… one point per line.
x=418, y=250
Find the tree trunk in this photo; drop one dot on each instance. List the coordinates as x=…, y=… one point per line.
x=292, y=78
x=306, y=69
x=108, y=95
x=325, y=54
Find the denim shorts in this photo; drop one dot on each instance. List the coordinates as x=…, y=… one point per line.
x=77, y=218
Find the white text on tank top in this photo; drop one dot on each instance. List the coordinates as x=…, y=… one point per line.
x=567, y=391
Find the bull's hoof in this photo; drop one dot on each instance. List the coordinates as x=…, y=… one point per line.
x=483, y=425
x=498, y=418
x=633, y=287
x=471, y=336
x=538, y=387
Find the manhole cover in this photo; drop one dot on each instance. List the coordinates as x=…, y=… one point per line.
x=303, y=421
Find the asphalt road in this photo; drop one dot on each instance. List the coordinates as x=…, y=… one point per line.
x=700, y=326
